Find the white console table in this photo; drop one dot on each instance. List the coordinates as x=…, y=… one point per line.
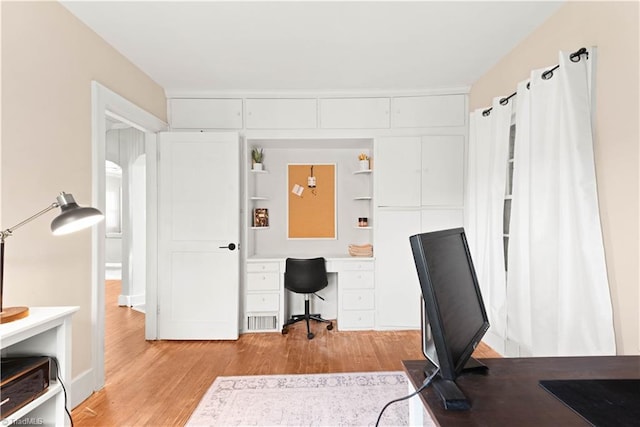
x=45, y=332
x=265, y=307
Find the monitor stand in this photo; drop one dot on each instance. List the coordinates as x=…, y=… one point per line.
x=452, y=397
x=474, y=366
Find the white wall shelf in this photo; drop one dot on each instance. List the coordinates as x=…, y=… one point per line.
x=362, y=171
x=258, y=171
x=47, y=398
x=45, y=332
x=259, y=198
x=362, y=198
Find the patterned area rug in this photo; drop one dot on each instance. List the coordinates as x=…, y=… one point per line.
x=353, y=399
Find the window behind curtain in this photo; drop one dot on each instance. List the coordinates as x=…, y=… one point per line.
x=113, y=214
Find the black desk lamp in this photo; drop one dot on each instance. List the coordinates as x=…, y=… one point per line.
x=71, y=218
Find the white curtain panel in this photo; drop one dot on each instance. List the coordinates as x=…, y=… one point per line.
x=558, y=294
x=487, y=170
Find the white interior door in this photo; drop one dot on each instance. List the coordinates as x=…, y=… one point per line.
x=198, y=235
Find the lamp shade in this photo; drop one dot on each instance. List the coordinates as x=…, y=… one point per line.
x=73, y=217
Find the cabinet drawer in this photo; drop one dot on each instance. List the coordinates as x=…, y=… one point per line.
x=254, y=267
x=356, y=320
x=350, y=265
x=358, y=300
x=263, y=281
x=262, y=302
x=356, y=279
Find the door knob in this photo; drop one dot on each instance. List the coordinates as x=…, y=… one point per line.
x=230, y=246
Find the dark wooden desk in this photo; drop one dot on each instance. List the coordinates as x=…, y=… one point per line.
x=509, y=395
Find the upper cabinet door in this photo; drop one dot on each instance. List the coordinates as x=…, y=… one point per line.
x=397, y=167
x=443, y=170
x=354, y=113
x=205, y=113
x=282, y=113
x=429, y=111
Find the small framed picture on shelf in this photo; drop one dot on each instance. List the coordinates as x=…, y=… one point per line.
x=261, y=217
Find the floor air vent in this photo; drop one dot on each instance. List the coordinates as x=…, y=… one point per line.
x=261, y=323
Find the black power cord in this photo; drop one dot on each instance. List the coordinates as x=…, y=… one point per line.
x=424, y=385
x=64, y=390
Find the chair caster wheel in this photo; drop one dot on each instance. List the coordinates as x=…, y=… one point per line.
x=330, y=326
x=285, y=331
x=310, y=335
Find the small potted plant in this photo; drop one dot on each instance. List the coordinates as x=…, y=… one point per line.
x=257, y=155
x=364, y=161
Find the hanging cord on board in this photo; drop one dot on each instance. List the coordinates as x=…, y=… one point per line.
x=64, y=390
x=574, y=57
x=424, y=385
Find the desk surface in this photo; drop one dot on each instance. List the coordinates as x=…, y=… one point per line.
x=328, y=257
x=510, y=394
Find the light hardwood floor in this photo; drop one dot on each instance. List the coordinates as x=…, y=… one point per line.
x=159, y=383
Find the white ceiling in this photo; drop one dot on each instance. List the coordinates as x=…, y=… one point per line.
x=300, y=46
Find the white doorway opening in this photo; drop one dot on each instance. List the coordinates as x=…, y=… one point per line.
x=106, y=103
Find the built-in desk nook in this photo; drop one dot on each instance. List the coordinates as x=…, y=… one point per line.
x=349, y=298
x=301, y=175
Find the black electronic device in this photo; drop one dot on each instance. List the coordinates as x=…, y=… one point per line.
x=454, y=317
x=23, y=380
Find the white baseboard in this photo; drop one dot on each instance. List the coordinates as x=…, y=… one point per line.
x=113, y=271
x=81, y=388
x=131, y=300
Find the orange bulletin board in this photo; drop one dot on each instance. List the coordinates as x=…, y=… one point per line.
x=311, y=211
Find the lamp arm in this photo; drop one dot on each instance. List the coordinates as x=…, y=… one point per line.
x=9, y=231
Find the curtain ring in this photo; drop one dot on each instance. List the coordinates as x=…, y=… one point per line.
x=486, y=112
x=577, y=55
x=504, y=101
x=547, y=75
x=528, y=85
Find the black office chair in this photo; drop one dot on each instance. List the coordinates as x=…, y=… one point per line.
x=305, y=276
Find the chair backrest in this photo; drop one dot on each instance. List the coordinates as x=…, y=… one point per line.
x=305, y=276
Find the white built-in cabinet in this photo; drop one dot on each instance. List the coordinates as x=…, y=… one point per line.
x=356, y=295
x=442, y=180
x=420, y=171
x=397, y=287
x=420, y=188
x=294, y=113
x=354, y=113
x=398, y=171
x=415, y=184
x=264, y=298
x=429, y=111
x=189, y=113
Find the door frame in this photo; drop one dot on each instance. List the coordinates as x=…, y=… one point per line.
x=105, y=102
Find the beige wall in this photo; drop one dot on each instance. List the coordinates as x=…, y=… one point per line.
x=49, y=59
x=613, y=28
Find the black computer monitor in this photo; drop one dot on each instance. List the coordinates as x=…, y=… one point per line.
x=454, y=317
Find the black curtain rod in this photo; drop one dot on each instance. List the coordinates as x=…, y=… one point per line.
x=574, y=57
